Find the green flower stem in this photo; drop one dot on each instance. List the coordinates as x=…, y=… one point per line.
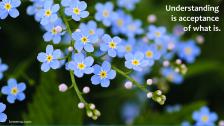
x=129, y=78
x=79, y=94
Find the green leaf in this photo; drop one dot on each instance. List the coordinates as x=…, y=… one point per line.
x=49, y=106
x=160, y=118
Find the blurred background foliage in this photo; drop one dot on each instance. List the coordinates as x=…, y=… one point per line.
x=21, y=40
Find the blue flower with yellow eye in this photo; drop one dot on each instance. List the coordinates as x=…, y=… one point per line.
x=135, y=61
x=84, y=40
x=111, y=45
x=54, y=31
x=133, y=28
x=151, y=53
x=50, y=59
x=14, y=91
x=128, y=47
x=103, y=74
x=156, y=32
x=128, y=4
x=91, y=27
x=8, y=7
x=105, y=13
x=188, y=51
x=3, y=68
x=204, y=117
x=48, y=13
x=172, y=75
x=75, y=9
x=119, y=23
x=81, y=65
x=35, y=8
x=3, y=116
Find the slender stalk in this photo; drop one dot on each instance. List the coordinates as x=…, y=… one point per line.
x=129, y=78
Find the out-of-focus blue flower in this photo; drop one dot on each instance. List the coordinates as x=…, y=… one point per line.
x=14, y=91
x=8, y=7
x=171, y=75
x=151, y=53
x=91, y=27
x=119, y=24
x=81, y=65
x=84, y=40
x=188, y=51
x=75, y=8
x=133, y=28
x=185, y=123
x=3, y=68
x=156, y=33
x=105, y=13
x=35, y=8
x=111, y=45
x=178, y=30
x=129, y=112
x=128, y=47
x=54, y=31
x=161, y=46
x=48, y=13
x=103, y=74
x=173, y=108
x=128, y=4
x=136, y=61
x=3, y=116
x=204, y=117
x=50, y=59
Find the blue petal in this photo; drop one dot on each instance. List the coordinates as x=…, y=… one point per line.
x=89, y=48
x=15, y=3
x=105, y=83
x=139, y=55
x=3, y=67
x=89, y=61
x=103, y=47
x=57, y=54
x=2, y=107
x=42, y=57
x=55, y=8
x=97, y=69
x=82, y=5
x=112, y=74
x=5, y=90
x=106, y=66
x=79, y=46
x=78, y=73
x=12, y=83
x=14, y=13
x=112, y=52
x=89, y=70
x=20, y=96
x=128, y=56
x=3, y=117
x=45, y=67
x=57, y=39
x=11, y=99
x=21, y=87
x=84, y=14
x=47, y=36
x=95, y=79
x=55, y=64
x=106, y=38
x=49, y=49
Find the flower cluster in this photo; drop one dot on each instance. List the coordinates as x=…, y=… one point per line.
x=13, y=90
x=91, y=50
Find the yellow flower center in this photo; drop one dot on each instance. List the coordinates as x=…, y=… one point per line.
x=106, y=13
x=49, y=58
x=204, y=118
x=91, y=32
x=8, y=6
x=76, y=11
x=48, y=13
x=84, y=39
x=81, y=66
x=103, y=74
x=149, y=54
x=54, y=31
x=158, y=34
x=135, y=62
x=128, y=48
x=120, y=22
x=14, y=90
x=112, y=45
x=188, y=51
x=170, y=77
x=131, y=27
